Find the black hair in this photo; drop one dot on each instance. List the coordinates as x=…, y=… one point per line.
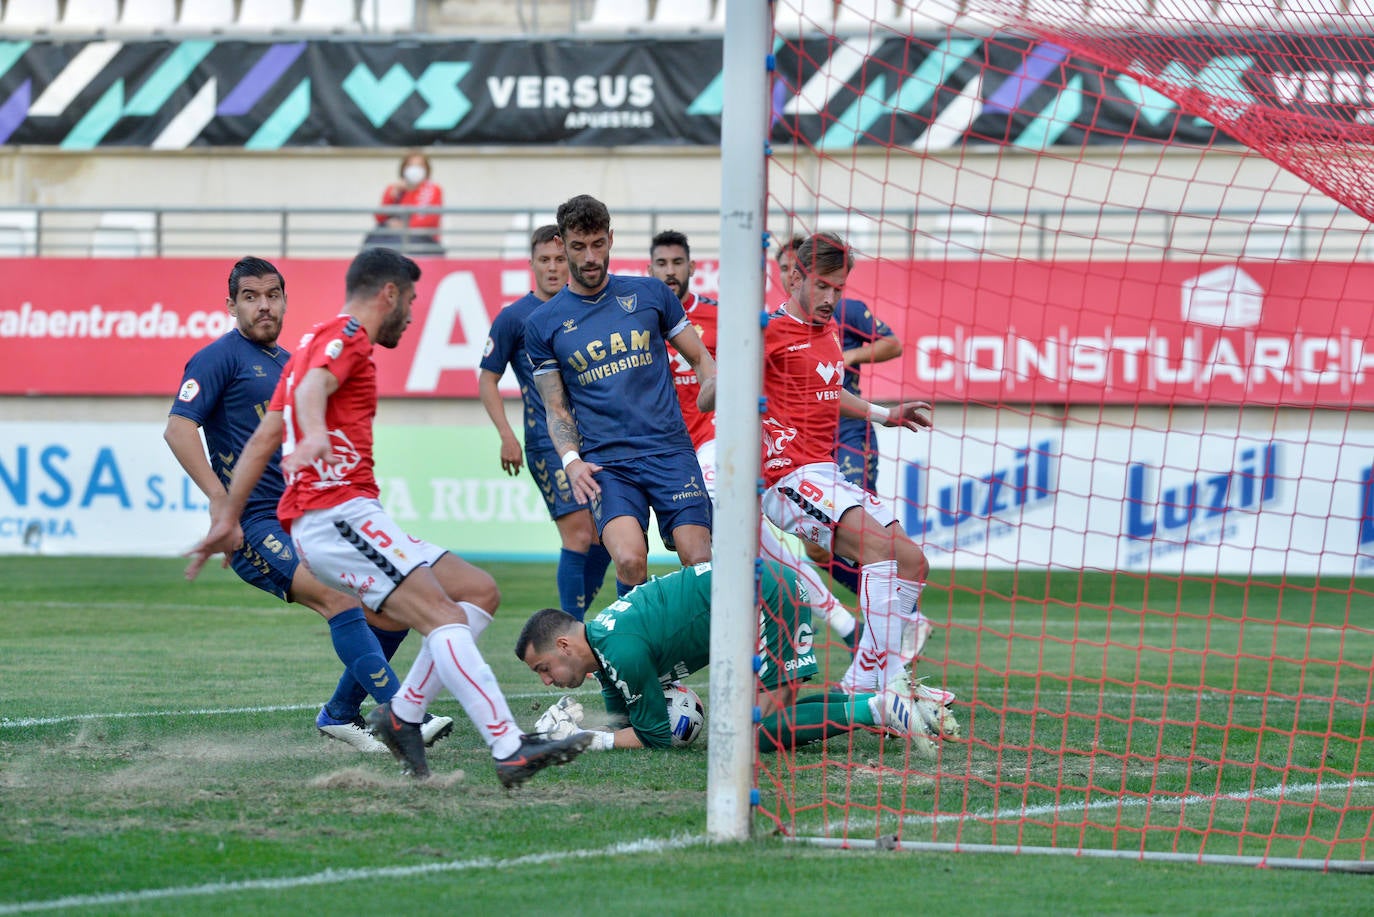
x=671, y=237
x=250, y=266
x=542, y=236
x=824, y=253
x=374, y=268
x=539, y=632
x=584, y=214
x=791, y=245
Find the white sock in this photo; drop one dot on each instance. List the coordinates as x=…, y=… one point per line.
x=823, y=601
x=915, y=626
x=866, y=668
x=478, y=618
x=419, y=689
x=467, y=676
x=888, y=603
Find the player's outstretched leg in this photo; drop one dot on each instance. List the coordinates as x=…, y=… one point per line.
x=352, y=731
x=900, y=715
x=537, y=752
x=403, y=739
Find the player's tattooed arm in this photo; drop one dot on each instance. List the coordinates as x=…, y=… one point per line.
x=558, y=415
x=566, y=440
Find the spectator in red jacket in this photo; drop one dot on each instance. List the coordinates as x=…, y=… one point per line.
x=415, y=232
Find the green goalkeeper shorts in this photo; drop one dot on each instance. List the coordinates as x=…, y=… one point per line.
x=786, y=647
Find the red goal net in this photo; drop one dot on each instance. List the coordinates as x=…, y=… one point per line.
x=1124, y=247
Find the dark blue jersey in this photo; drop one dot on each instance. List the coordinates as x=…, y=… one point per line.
x=611, y=353
x=506, y=347
x=858, y=326
x=225, y=389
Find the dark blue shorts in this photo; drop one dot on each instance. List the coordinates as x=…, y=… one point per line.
x=856, y=452
x=547, y=470
x=670, y=484
x=267, y=559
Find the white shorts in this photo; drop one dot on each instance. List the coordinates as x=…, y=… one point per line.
x=355, y=547
x=810, y=501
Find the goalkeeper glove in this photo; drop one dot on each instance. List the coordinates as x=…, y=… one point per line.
x=561, y=720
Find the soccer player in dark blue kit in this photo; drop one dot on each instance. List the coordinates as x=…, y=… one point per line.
x=224, y=391
x=582, y=562
x=864, y=338
x=601, y=365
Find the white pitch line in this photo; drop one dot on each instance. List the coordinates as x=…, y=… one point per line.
x=1002, y=815
x=1212, y=697
x=335, y=876
x=7, y=723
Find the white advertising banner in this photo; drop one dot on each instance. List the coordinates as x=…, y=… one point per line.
x=1113, y=498
x=1101, y=498
x=95, y=488
x=115, y=489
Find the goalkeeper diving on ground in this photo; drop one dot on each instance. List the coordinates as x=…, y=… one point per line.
x=660, y=632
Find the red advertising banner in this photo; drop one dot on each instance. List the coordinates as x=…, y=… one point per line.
x=1298, y=333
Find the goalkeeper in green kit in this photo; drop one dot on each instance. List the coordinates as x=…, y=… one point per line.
x=660, y=632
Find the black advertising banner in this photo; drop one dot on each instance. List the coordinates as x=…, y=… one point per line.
x=923, y=92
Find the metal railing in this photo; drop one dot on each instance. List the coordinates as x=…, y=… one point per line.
x=948, y=234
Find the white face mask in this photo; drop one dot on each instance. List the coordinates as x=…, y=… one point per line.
x=414, y=174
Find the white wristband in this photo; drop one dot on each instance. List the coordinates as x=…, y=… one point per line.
x=879, y=414
x=569, y=457
x=601, y=741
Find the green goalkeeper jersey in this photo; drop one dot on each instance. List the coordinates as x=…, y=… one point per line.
x=660, y=632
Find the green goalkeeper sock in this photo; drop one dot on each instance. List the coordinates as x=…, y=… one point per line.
x=813, y=718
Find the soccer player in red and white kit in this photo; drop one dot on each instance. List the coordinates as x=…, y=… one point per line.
x=321, y=414
x=806, y=494
x=670, y=260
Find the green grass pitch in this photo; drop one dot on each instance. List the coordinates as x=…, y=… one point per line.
x=158, y=756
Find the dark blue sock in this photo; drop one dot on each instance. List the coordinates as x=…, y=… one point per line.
x=349, y=694
x=389, y=640
x=598, y=562
x=846, y=573
x=621, y=588
x=570, y=578
x=365, y=663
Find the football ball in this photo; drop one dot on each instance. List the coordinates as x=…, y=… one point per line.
x=685, y=715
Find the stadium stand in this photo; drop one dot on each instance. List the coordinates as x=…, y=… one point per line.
x=30, y=14
x=266, y=15
x=388, y=15
x=865, y=14
x=328, y=16
x=1057, y=11
x=210, y=15
x=18, y=233
x=148, y=15
x=618, y=14
x=89, y=15
x=805, y=16
x=125, y=234
x=682, y=14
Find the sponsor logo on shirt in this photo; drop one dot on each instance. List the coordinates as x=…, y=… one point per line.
x=486, y=351
x=569, y=325
x=189, y=390
x=830, y=372
x=333, y=349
